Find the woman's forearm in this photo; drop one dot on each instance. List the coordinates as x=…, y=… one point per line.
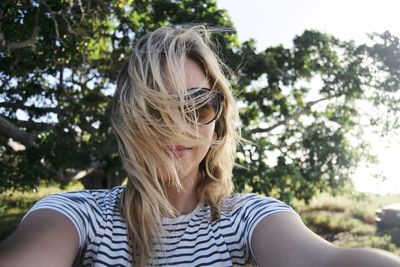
x=365, y=257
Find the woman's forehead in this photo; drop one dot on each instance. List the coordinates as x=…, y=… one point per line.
x=193, y=77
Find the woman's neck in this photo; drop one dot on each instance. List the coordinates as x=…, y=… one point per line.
x=184, y=201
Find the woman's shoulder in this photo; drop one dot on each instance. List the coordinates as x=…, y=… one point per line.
x=98, y=196
x=81, y=204
x=251, y=204
x=86, y=209
x=240, y=199
x=88, y=197
x=96, y=193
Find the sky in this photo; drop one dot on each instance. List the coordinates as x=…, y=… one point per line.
x=273, y=22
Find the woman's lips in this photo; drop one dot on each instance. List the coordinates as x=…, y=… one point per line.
x=180, y=151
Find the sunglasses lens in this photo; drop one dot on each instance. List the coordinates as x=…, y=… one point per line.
x=207, y=111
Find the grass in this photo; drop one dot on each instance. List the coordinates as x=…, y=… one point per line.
x=347, y=220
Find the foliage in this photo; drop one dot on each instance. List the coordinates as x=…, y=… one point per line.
x=348, y=219
x=58, y=65
x=303, y=110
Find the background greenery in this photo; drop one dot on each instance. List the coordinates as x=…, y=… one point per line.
x=299, y=105
x=347, y=219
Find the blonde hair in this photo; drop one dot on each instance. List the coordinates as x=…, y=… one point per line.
x=142, y=122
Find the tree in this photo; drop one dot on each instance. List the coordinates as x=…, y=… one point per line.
x=303, y=111
x=58, y=65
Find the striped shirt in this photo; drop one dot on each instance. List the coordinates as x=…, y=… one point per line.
x=191, y=240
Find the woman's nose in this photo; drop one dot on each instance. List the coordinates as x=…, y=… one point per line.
x=181, y=127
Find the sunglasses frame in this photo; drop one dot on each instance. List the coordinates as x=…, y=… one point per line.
x=218, y=96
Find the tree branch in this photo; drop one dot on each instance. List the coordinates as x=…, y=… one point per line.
x=84, y=87
x=295, y=115
x=3, y=140
x=36, y=126
x=4, y=45
x=10, y=130
x=10, y=150
x=53, y=14
x=18, y=45
x=69, y=28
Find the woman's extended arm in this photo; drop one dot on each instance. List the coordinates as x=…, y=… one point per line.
x=44, y=238
x=281, y=239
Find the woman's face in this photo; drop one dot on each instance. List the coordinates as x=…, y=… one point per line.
x=190, y=156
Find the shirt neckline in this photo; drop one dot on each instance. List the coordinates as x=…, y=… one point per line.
x=183, y=217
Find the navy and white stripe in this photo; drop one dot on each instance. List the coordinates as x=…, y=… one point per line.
x=190, y=240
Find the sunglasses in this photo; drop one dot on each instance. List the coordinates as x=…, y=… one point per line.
x=203, y=105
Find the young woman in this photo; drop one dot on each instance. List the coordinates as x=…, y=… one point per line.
x=177, y=129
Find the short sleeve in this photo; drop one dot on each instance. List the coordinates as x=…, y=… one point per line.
x=251, y=209
x=76, y=206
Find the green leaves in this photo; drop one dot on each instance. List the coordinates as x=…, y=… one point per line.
x=300, y=111
x=59, y=61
